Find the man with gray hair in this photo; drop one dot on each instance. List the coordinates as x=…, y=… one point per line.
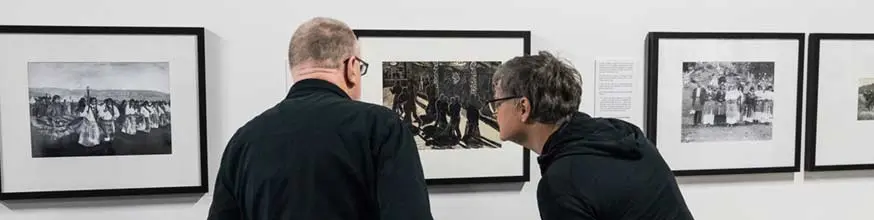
x=592, y=168
x=320, y=153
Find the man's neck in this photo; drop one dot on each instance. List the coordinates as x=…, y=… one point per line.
x=538, y=135
x=331, y=75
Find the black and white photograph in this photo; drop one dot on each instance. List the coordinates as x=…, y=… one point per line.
x=443, y=103
x=722, y=103
x=440, y=91
x=85, y=111
x=840, y=103
x=727, y=101
x=99, y=108
x=866, y=99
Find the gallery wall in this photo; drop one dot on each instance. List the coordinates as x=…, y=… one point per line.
x=247, y=44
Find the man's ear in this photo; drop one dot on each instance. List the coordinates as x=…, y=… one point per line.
x=349, y=72
x=524, y=109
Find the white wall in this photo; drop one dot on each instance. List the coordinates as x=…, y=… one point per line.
x=246, y=47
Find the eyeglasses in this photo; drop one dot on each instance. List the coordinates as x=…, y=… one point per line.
x=363, y=66
x=495, y=103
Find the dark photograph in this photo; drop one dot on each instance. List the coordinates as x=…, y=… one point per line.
x=727, y=101
x=99, y=108
x=866, y=99
x=443, y=103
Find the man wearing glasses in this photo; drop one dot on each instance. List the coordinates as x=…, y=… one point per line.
x=320, y=153
x=592, y=168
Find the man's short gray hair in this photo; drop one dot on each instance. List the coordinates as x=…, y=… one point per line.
x=323, y=41
x=552, y=86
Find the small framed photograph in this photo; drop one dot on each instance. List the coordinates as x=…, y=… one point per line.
x=725, y=103
x=840, y=102
x=101, y=111
x=438, y=82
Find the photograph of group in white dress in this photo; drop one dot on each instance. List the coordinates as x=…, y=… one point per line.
x=866, y=99
x=443, y=103
x=99, y=108
x=727, y=101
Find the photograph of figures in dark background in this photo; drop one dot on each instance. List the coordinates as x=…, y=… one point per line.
x=99, y=108
x=443, y=103
x=866, y=99
x=727, y=101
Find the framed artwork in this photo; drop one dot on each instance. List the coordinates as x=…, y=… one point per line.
x=841, y=79
x=725, y=103
x=86, y=111
x=439, y=82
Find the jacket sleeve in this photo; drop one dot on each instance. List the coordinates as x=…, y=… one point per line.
x=565, y=208
x=224, y=206
x=400, y=182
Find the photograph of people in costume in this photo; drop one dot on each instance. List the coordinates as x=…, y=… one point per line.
x=727, y=101
x=99, y=109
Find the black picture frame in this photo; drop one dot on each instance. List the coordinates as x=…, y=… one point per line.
x=813, y=72
x=651, y=92
x=197, y=32
x=524, y=35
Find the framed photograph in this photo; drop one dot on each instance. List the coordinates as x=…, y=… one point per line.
x=841, y=80
x=725, y=103
x=101, y=111
x=438, y=82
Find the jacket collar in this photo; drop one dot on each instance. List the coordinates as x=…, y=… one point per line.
x=309, y=86
x=557, y=138
x=560, y=133
x=585, y=135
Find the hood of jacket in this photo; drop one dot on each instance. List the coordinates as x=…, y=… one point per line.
x=583, y=134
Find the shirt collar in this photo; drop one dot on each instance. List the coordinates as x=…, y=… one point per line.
x=309, y=86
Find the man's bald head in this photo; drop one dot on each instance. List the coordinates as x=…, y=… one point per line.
x=323, y=43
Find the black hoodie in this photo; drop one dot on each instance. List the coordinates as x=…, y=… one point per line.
x=602, y=168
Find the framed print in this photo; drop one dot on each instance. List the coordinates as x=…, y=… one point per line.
x=841, y=79
x=725, y=103
x=101, y=111
x=439, y=82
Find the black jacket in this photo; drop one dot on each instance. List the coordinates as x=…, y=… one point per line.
x=605, y=169
x=320, y=155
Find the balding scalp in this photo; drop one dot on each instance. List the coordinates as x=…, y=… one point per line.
x=323, y=42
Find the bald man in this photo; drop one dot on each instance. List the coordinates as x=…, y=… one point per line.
x=320, y=153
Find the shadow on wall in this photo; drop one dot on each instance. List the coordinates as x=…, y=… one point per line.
x=738, y=178
x=476, y=188
x=838, y=175
x=105, y=202
x=215, y=111
x=776, y=177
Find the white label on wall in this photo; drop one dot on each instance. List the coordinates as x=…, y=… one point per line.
x=614, y=87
